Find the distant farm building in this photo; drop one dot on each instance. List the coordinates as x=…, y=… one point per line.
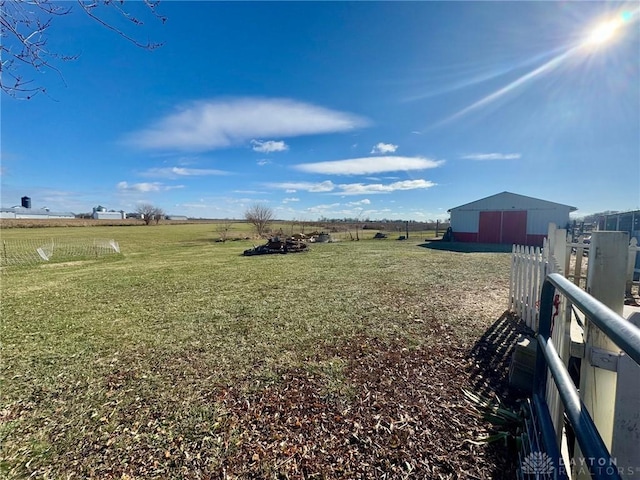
x=177, y=217
x=25, y=212
x=101, y=213
x=621, y=222
x=33, y=214
x=507, y=218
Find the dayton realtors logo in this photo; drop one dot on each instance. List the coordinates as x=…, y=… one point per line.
x=538, y=463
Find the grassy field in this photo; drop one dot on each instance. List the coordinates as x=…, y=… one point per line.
x=180, y=358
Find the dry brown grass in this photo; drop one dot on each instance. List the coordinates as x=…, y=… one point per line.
x=184, y=359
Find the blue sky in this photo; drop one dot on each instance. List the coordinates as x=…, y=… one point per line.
x=369, y=109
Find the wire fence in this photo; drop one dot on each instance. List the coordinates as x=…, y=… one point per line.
x=35, y=251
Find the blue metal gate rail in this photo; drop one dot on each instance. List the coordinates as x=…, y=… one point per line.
x=620, y=331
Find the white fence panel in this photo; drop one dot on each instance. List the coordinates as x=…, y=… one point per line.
x=528, y=271
x=529, y=268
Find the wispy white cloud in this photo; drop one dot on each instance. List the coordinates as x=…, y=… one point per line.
x=322, y=209
x=492, y=156
x=192, y=205
x=263, y=161
x=347, y=210
x=208, y=125
x=384, y=148
x=369, y=165
x=376, y=188
x=146, y=187
x=250, y=192
x=364, y=201
x=245, y=201
x=352, y=188
x=293, y=187
x=291, y=199
x=181, y=172
x=269, y=146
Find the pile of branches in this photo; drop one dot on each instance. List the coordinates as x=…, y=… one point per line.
x=275, y=245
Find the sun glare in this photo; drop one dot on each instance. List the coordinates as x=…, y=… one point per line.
x=585, y=44
x=603, y=32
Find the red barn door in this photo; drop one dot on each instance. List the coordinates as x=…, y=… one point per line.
x=490, y=227
x=514, y=227
x=507, y=227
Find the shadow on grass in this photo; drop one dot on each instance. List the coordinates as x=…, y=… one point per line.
x=463, y=247
x=489, y=377
x=492, y=355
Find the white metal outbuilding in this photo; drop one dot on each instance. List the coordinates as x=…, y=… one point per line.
x=507, y=218
x=33, y=214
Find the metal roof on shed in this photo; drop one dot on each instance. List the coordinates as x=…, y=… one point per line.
x=500, y=201
x=42, y=212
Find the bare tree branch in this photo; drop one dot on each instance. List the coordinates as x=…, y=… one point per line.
x=259, y=216
x=90, y=6
x=24, y=26
x=223, y=229
x=150, y=213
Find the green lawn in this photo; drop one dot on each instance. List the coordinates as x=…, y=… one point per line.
x=112, y=367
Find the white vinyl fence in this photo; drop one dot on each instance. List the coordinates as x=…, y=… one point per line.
x=530, y=266
x=615, y=401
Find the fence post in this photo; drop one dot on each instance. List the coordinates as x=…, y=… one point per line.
x=626, y=426
x=579, y=257
x=551, y=236
x=606, y=278
x=540, y=276
x=631, y=264
x=560, y=250
x=531, y=299
x=512, y=278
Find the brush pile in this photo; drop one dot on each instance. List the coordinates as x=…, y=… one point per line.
x=275, y=245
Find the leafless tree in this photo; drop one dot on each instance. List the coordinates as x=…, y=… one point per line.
x=357, y=224
x=24, y=28
x=150, y=213
x=259, y=216
x=158, y=215
x=223, y=229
